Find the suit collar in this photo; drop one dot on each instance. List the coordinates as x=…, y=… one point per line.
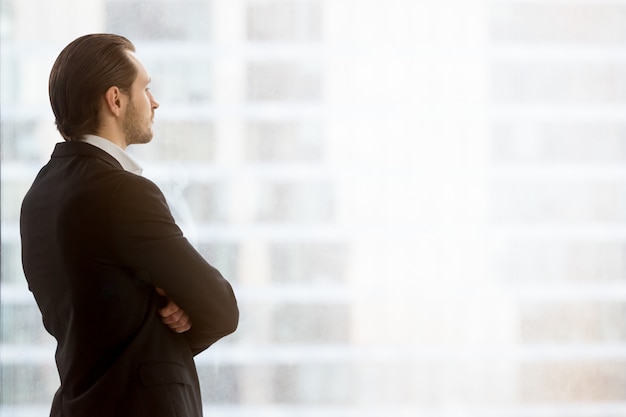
x=75, y=148
x=128, y=162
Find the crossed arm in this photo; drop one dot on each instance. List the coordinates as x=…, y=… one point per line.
x=153, y=246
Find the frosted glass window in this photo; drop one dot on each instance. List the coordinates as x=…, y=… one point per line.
x=284, y=81
x=284, y=20
x=421, y=204
x=285, y=142
x=181, y=20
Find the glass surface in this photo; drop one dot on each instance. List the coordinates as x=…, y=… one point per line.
x=421, y=204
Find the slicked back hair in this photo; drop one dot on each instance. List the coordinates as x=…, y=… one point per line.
x=81, y=75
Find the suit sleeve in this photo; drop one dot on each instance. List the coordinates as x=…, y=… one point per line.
x=154, y=248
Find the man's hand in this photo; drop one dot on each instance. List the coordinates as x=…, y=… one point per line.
x=175, y=318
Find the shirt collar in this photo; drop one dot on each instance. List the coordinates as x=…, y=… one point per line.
x=128, y=163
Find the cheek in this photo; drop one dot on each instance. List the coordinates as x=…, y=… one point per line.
x=146, y=103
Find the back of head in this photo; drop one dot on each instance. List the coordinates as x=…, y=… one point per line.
x=80, y=76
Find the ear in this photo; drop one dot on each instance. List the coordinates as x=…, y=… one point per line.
x=113, y=100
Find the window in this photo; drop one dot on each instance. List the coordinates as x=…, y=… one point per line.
x=420, y=203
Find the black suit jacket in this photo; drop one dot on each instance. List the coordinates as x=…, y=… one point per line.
x=96, y=241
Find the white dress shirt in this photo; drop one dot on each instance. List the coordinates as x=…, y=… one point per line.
x=127, y=161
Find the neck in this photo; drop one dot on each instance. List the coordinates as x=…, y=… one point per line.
x=112, y=137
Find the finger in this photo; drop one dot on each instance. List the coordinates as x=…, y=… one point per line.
x=174, y=317
x=181, y=325
x=160, y=291
x=181, y=329
x=169, y=309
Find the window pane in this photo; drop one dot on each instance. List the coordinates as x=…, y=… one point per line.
x=421, y=204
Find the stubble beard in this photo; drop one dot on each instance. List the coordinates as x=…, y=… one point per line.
x=133, y=130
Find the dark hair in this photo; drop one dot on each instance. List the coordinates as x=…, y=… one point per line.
x=80, y=76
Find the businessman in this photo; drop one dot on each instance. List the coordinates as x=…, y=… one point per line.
x=128, y=299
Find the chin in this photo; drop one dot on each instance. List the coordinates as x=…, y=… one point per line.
x=140, y=140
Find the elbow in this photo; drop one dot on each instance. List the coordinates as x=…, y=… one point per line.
x=231, y=320
x=231, y=313
x=223, y=318
x=203, y=336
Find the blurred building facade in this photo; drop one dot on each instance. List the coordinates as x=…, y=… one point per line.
x=421, y=204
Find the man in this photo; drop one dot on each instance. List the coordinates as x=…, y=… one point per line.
x=127, y=298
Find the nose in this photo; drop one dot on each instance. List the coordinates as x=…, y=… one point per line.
x=155, y=104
